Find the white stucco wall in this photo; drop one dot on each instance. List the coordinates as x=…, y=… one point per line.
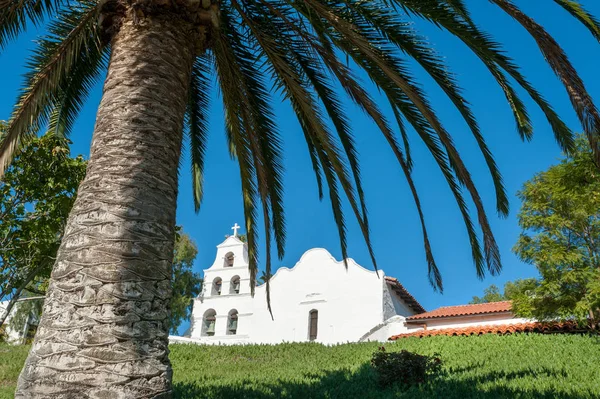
x=392, y=304
x=468, y=321
x=349, y=302
x=382, y=332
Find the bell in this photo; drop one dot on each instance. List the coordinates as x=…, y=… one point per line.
x=211, y=328
x=236, y=287
x=233, y=324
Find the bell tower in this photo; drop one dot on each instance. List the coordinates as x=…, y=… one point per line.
x=225, y=293
x=230, y=268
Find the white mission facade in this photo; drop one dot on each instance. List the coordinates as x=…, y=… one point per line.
x=317, y=300
x=320, y=300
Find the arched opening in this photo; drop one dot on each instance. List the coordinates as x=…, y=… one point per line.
x=216, y=286
x=234, y=285
x=232, y=322
x=208, y=323
x=313, y=321
x=229, y=257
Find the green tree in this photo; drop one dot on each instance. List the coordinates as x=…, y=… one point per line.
x=560, y=218
x=36, y=195
x=490, y=294
x=187, y=285
x=163, y=56
x=513, y=290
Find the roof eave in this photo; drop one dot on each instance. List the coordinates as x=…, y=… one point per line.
x=417, y=320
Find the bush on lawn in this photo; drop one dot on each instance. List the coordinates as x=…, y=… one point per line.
x=405, y=368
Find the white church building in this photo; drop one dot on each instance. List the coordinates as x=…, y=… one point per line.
x=319, y=299
x=316, y=300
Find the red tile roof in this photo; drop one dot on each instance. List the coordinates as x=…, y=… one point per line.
x=538, y=327
x=464, y=310
x=404, y=294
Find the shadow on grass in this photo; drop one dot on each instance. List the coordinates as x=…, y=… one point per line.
x=362, y=384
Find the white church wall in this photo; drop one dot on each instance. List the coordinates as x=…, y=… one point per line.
x=479, y=320
x=382, y=332
x=349, y=302
x=392, y=304
x=465, y=321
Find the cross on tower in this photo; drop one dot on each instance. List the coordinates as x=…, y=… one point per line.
x=235, y=229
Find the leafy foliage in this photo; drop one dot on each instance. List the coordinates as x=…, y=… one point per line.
x=512, y=290
x=302, y=51
x=525, y=366
x=187, y=285
x=36, y=196
x=404, y=368
x=560, y=217
x=490, y=294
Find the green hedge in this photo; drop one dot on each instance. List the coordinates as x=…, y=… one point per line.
x=490, y=366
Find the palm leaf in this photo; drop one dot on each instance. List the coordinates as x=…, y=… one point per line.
x=291, y=82
x=14, y=15
x=407, y=40
x=493, y=57
x=72, y=39
x=197, y=124
x=389, y=66
x=581, y=14
x=559, y=62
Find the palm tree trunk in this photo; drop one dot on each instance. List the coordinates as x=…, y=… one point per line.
x=104, y=328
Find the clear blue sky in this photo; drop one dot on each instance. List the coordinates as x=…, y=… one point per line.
x=395, y=227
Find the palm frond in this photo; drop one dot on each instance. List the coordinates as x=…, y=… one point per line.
x=265, y=142
x=197, y=124
x=559, y=62
x=401, y=34
x=492, y=56
x=14, y=15
x=290, y=79
x=73, y=95
x=72, y=39
x=357, y=42
x=223, y=57
x=581, y=14
x=260, y=137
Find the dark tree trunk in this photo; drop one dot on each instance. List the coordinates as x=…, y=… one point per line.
x=104, y=328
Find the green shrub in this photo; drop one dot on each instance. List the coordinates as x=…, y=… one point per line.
x=405, y=368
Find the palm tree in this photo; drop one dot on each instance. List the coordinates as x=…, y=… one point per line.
x=104, y=328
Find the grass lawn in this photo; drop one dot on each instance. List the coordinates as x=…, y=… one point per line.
x=489, y=366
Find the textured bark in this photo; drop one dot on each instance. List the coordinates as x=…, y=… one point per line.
x=103, y=332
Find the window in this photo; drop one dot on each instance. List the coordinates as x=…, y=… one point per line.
x=234, y=285
x=208, y=323
x=232, y=322
x=229, y=259
x=313, y=320
x=216, y=286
